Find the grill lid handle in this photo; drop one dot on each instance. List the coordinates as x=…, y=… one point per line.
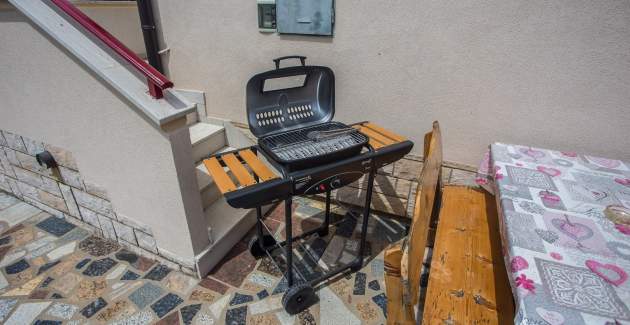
x=277, y=60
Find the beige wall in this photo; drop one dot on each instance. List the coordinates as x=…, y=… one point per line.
x=121, y=20
x=546, y=73
x=48, y=96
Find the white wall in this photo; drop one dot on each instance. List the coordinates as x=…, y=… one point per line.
x=48, y=96
x=547, y=73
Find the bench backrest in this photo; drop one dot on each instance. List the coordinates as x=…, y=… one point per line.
x=426, y=205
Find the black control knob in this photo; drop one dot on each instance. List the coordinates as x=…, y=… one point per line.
x=335, y=183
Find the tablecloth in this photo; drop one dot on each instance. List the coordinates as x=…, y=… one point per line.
x=567, y=262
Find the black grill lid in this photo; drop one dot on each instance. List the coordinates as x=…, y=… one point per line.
x=293, y=105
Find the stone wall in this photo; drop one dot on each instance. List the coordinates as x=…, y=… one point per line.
x=63, y=192
x=395, y=185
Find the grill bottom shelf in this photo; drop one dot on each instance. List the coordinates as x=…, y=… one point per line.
x=314, y=255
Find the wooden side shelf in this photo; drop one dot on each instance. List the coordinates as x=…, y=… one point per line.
x=379, y=137
x=244, y=165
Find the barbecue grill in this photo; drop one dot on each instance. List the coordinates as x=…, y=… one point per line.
x=300, y=151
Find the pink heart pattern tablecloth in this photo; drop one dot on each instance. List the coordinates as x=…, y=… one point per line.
x=568, y=264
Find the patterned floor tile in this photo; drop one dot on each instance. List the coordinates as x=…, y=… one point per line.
x=83, y=263
x=47, y=267
x=129, y=276
x=104, y=283
x=239, y=298
x=381, y=301
x=374, y=285
x=6, y=306
x=367, y=312
x=213, y=285
x=55, y=226
x=158, y=273
x=265, y=305
x=17, y=267
x=171, y=319
x=26, y=313
x=359, y=283
x=47, y=322
x=38, y=294
x=46, y=282
x=97, y=246
x=116, y=310
x=127, y=256
x=202, y=296
x=93, y=307
x=145, y=295
x=262, y=294
x=143, y=264
x=267, y=319
x=116, y=272
x=5, y=240
x=61, y=251
x=77, y=234
x=236, y=316
x=99, y=267
x=90, y=289
x=62, y=310
x=189, y=312
x=268, y=266
x=4, y=250
x=306, y=318
x=140, y=318
x=179, y=283
x=235, y=266
x=66, y=283
x=166, y=304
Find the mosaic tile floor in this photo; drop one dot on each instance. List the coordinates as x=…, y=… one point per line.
x=52, y=272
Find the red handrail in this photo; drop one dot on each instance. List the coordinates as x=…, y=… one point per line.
x=156, y=80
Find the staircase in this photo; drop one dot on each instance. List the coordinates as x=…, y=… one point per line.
x=227, y=225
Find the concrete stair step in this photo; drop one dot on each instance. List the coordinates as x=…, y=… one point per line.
x=206, y=139
x=227, y=226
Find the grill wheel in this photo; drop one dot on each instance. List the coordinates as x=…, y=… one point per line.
x=256, y=249
x=298, y=298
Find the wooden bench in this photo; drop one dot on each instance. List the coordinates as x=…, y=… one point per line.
x=468, y=283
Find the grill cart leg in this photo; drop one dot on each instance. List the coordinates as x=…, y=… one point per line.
x=366, y=215
x=288, y=249
x=323, y=230
x=301, y=295
x=258, y=244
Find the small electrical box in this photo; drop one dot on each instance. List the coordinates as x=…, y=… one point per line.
x=266, y=16
x=310, y=17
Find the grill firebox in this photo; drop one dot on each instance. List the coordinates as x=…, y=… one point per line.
x=302, y=148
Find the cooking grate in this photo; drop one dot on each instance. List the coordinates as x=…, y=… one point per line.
x=297, y=144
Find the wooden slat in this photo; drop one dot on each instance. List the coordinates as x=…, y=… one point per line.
x=445, y=299
x=468, y=282
x=403, y=282
x=219, y=175
x=376, y=136
x=413, y=253
x=385, y=132
x=375, y=144
x=256, y=165
x=243, y=176
x=397, y=312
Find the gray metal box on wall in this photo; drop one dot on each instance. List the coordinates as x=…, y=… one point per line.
x=311, y=17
